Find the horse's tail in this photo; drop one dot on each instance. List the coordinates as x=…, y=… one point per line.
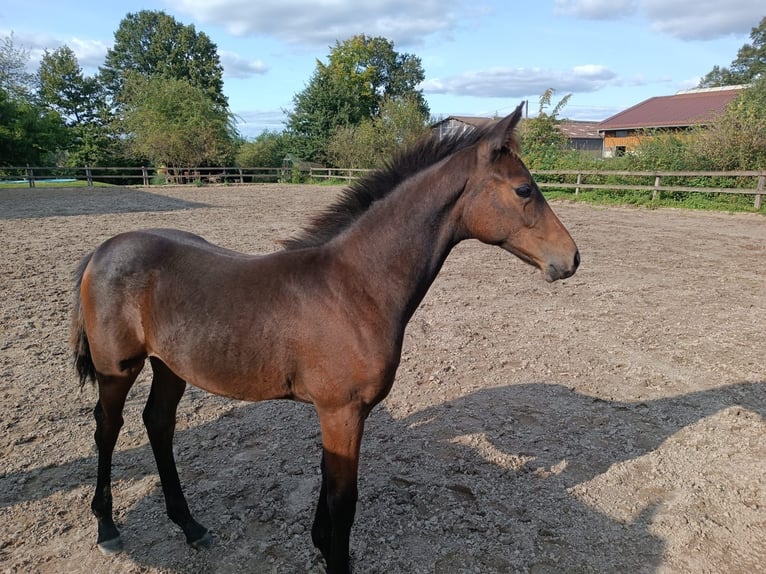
x=78, y=338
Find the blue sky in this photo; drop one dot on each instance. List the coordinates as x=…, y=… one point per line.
x=481, y=57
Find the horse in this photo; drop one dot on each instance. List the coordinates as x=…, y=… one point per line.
x=321, y=320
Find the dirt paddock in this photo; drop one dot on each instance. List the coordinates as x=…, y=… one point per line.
x=612, y=422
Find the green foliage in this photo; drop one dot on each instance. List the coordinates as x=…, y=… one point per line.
x=81, y=101
x=738, y=139
x=267, y=150
x=360, y=75
x=354, y=146
x=399, y=124
x=64, y=88
x=749, y=65
x=14, y=78
x=544, y=145
x=663, y=150
x=173, y=123
x=152, y=43
x=29, y=133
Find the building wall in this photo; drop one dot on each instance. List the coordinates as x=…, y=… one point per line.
x=617, y=143
x=589, y=146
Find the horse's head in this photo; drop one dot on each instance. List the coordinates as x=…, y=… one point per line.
x=502, y=205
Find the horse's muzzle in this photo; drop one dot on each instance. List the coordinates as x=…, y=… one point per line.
x=555, y=271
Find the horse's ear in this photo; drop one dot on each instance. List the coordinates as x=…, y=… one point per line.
x=501, y=135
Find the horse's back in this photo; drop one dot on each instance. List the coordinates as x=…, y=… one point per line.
x=120, y=284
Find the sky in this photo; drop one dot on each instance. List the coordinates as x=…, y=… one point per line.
x=480, y=57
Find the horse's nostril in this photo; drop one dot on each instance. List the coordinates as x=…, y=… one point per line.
x=577, y=259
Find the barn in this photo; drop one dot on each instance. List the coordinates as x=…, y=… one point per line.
x=679, y=112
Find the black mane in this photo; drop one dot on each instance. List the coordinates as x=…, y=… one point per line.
x=360, y=195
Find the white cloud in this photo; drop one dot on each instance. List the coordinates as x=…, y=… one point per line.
x=250, y=123
x=322, y=22
x=704, y=19
x=682, y=19
x=90, y=53
x=520, y=82
x=235, y=66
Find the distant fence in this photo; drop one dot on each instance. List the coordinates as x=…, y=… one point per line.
x=144, y=176
x=732, y=182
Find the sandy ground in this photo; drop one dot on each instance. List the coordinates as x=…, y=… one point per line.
x=612, y=422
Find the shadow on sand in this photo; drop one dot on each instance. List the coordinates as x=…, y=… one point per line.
x=22, y=203
x=415, y=466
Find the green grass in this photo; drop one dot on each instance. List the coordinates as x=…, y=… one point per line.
x=43, y=183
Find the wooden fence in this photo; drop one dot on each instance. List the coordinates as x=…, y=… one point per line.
x=563, y=180
x=734, y=182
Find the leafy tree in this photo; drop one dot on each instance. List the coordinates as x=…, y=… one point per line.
x=152, y=43
x=366, y=145
x=174, y=123
x=361, y=73
x=81, y=101
x=267, y=150
x=64, y=88
x=737, y=140
x=749, y=65
x=29, y=133
x=542, y=142
x=354, y=147
x=14, y=78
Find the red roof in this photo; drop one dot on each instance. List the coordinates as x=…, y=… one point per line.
x=684, y=109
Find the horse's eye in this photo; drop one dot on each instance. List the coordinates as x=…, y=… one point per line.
x=524, y=190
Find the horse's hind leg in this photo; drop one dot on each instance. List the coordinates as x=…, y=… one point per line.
x=108, y=414
x=160, y=421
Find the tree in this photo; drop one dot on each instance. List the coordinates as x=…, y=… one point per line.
x=152, y=43
x=542, y=141
x=749, y=65
x=17, y=82
x=64, y=88
x=367, y=145
x=174, y=123
x=80, y=100
x=267, y=150
x=361, y=73
x=737, y=140
x=29, y=133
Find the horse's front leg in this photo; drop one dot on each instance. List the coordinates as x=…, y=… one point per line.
x=341, y=438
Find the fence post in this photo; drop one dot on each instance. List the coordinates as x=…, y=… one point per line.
x=656, y=191
x=88, y=176
x=241, y=179
x=579, y=181
x=30, y=176
x=145, y=175
x=761, y=188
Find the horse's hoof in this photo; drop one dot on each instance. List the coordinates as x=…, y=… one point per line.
x=206, y=541
x=109, y=547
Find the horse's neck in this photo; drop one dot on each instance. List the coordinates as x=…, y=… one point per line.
x=400, y=245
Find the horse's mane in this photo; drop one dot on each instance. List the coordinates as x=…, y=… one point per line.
x=362, y=194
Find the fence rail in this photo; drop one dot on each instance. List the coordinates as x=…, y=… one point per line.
x=757, y=178
x=745, y=182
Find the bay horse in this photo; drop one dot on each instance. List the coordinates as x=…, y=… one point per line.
x=320, y=321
